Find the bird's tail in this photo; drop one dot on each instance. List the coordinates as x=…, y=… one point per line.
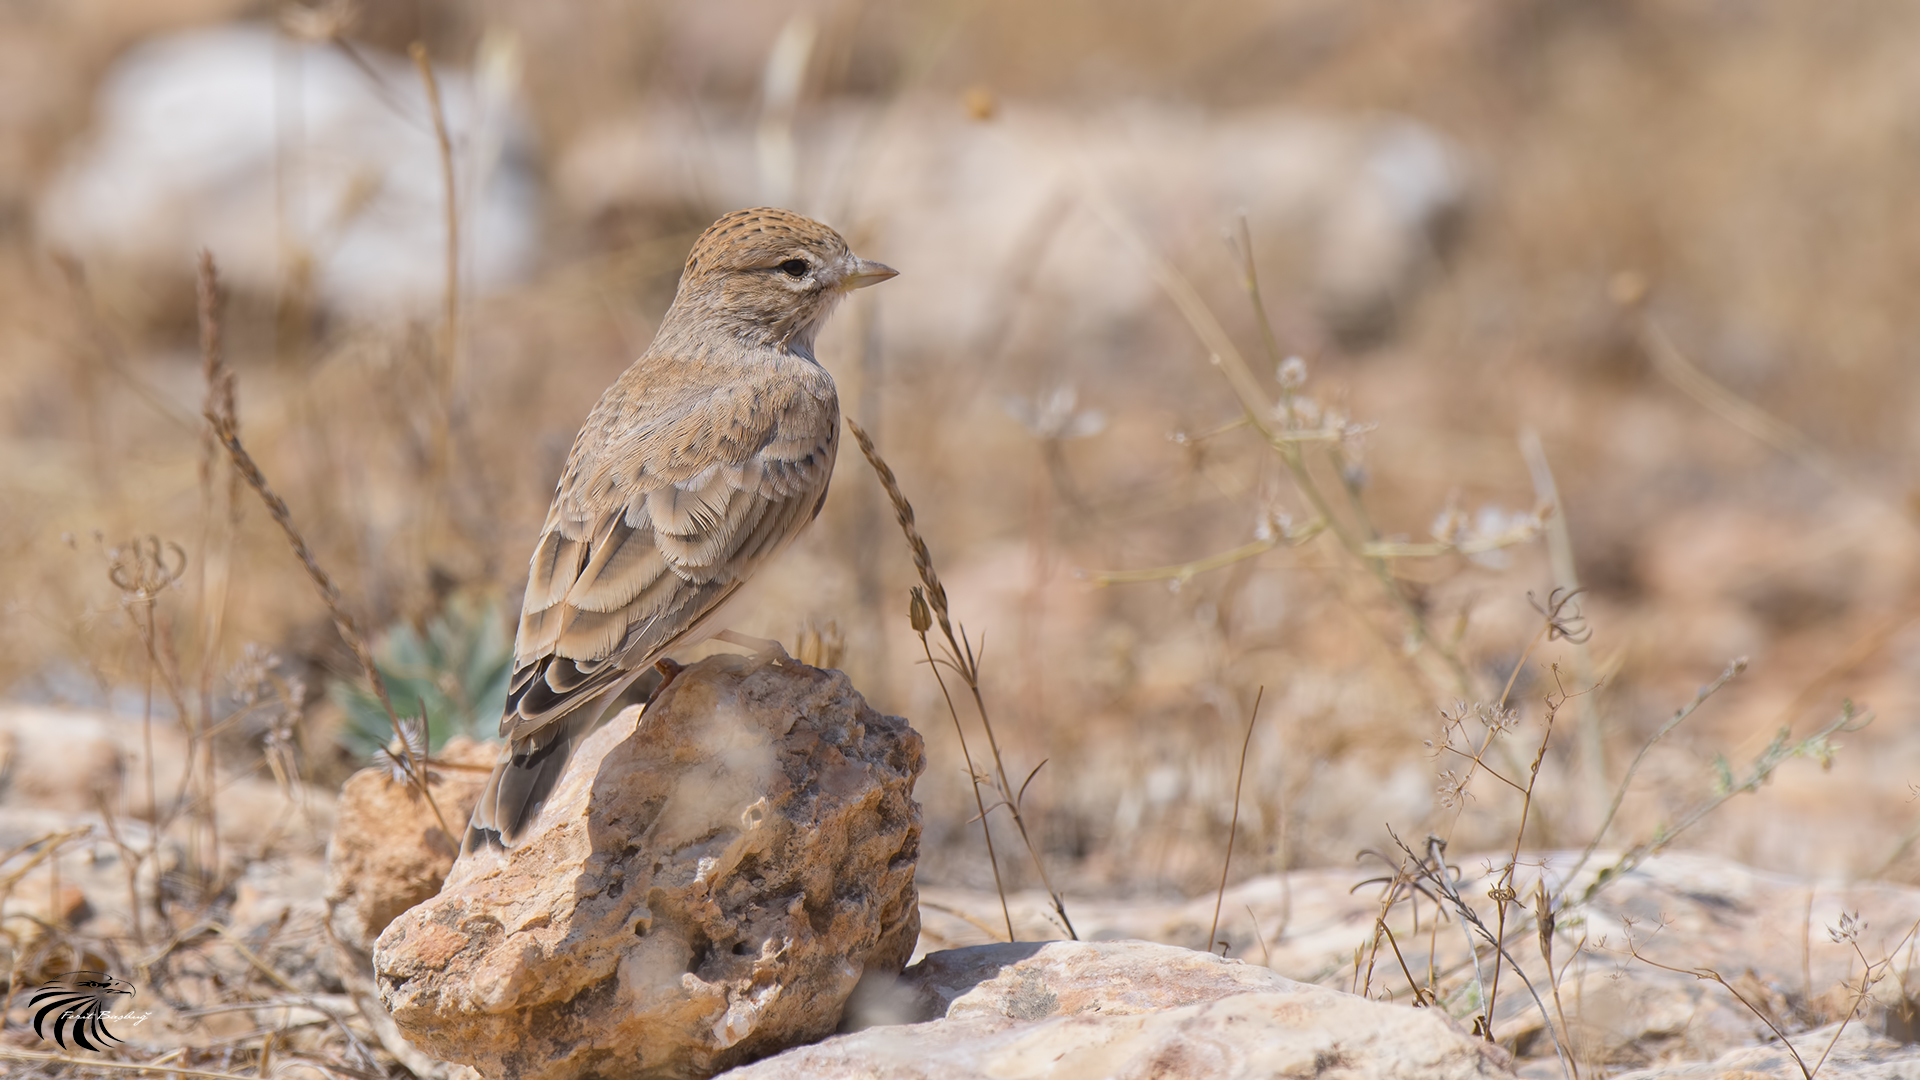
x=529, y=769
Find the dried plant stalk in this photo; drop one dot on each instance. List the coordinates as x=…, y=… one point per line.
x=1353, y=528
x=917, y=615
x=450, y=331
x=963, y=660
x=1234, y=827
x=225, y=425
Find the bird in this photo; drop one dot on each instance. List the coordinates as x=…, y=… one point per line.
x=697, y=467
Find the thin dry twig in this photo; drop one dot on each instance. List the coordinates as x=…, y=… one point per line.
x=1731, y=407
x=1234, y=826
x=225, y=425
x=450, y=331
x=917, y=615
x=961, y=657
x=1503, y=892
x=1421, y=997
x=219, y=383
x=1710, y=975
x=1433, y=871
x=1849, y=931
x=1278, y=428
x=1266, y=954
x=123, y=1066
x=1733, y=670
x=1402, y=882
x=1559, y=537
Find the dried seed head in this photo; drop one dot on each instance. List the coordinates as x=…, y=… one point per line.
x=1544, y=920
x=1850, y=928
x=917, y=612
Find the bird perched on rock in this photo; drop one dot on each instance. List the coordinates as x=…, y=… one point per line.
x=698, y=465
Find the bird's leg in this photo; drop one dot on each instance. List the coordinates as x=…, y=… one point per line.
x=765, y=650
x=668, y=668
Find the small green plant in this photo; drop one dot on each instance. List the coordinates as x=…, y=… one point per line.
x=456, y=670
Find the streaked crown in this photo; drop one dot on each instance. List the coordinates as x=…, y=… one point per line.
x=765, y=276
x=760, y=238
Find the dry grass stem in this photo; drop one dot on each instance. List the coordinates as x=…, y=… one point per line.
x=1733, y=670
x=962, y=659
x=917, y=614
x=1566, y=578
x=225, y=425
x=28, y=1057
x=1282, y=430
x=449, y=340
x=1731, y=407
x=1433, y=872
x=1233, y=827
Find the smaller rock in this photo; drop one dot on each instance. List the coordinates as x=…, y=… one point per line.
x=1133, y=1009
x=388, y=852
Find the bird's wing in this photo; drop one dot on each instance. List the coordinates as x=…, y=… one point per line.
x=657, y=521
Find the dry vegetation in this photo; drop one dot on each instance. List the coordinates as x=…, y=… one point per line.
x=1664, y=341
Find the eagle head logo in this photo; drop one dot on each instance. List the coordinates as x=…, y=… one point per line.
x=77, y=1004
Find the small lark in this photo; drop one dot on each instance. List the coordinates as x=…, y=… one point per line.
x=703, y=461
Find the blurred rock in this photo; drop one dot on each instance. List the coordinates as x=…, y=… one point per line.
x=1132, y=1008
x=280, y=913
x=82, y=885
x=299, y=169
x=1351, y=209
x=1858, y=1053
x=388, y=852
x=58, y=760
x=79, y=761
x=1768, y=934
x=706, y=884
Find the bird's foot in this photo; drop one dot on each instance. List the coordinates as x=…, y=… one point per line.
x=668, y=668
x=765, y=650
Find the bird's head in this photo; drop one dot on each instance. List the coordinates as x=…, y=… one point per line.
x=768, y=276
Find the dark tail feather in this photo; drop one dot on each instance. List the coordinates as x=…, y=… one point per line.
x=520, y=785
x=523, y=779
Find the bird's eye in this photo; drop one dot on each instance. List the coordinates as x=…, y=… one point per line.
x=795, y=268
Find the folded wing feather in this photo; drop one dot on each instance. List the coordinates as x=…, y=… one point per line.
x=654, y=526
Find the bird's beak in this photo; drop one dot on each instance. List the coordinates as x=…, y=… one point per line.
x=865, y=272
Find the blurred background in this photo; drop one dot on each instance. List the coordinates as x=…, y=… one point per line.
x=1598, y=295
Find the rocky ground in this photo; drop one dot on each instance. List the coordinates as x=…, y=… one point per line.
x=1685, y=965
x=1608, y=294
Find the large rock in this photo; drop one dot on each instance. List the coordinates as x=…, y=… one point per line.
x=1133, y=1009
x=706, y=885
